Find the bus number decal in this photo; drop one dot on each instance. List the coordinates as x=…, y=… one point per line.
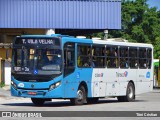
x=78, y=75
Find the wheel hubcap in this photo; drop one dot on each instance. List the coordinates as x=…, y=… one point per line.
x=130, y=92
x=80, y=95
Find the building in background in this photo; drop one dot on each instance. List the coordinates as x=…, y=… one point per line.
x=5, y=61
x=71, y=17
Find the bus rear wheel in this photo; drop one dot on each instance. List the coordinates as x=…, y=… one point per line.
x=81, y=97
x=38, y=101
x=130, y=94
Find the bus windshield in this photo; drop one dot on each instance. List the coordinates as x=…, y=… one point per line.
x=37, y=61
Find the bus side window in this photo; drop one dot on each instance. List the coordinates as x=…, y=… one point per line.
x=124, y=60
x=133, y=58
x=149, y=58
x=142, y=58
x=79, y=61
x=112, y=56
x=98, y=58
x=83, y=56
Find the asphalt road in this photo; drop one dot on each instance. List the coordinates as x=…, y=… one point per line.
x=144, y=102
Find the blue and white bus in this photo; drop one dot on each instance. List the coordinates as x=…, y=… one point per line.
x=83, y=70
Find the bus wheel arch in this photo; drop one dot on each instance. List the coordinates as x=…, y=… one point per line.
x=82, y=93
x=83, y=83
x=130, y=93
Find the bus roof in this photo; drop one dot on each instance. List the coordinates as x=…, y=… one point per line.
x=122, y=43
x=83, y=40
x=52, y=35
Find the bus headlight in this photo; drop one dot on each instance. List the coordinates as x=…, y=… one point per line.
x=14, y=85
x=55, y=85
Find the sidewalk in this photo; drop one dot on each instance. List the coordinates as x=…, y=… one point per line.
x=7, y=88
x=5, y=91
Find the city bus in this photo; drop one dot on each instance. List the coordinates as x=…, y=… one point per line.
x=46, y=67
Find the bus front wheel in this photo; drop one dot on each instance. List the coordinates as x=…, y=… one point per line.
x=81, y=97
x=38, y=101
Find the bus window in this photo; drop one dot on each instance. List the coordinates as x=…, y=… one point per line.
x=84, y=56
x=112, y=57
x=149, y=58
x=17, y=57
x=133, y=59
x=31, y=55
x=142, y=58
x=98, y=56
x=124, y=60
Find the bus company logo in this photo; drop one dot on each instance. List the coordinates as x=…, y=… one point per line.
x=99, y=75
x=148, y=75
x=20, y=85
x=125, y=74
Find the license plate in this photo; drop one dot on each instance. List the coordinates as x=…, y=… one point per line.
x=32, y=93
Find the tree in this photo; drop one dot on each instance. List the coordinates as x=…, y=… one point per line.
x=140, y=24
x=157, y=48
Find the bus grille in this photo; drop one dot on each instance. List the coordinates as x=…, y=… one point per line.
x=34, y=78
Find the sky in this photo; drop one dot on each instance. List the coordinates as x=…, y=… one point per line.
x=153, y=3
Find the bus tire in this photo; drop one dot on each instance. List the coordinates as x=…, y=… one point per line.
x=81, y=97
x=130, y=93
x=92, y=100
x=38, y=101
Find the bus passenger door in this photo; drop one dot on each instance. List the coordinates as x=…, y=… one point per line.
x=69, y=68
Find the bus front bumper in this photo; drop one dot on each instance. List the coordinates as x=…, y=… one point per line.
x=55, y=93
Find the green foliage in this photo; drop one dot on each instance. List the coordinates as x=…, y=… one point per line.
x=2, y=84
x=157, y=47
x=99, y=35
x=139, y=24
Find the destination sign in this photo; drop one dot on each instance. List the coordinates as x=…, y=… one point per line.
x=35, y=41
